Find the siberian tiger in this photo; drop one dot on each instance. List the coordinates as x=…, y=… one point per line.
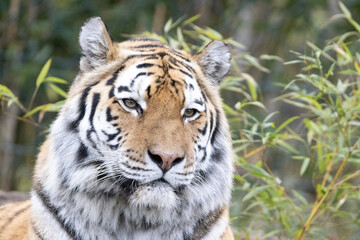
x=140, y=150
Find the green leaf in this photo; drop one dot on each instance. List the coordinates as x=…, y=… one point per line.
x=255, y=191
x=58, y=90
x=354, y=123
x=214, y=35
x=284, y=124
x=181, y=40
x=5, y=92
x=34, y=110
x=234, y=43
x=51, y=107
x=190, y=20
x=11, y=101
x=44, y=71
x=304, y=165
x=331, y=70
x=293, y=62
x=55, y=80
x=268, y=117
x=271, y=57
x=345, y=10
x=254, y=62
x=251, y=84
x=229, y=110
x=255, y=103
x=284, y=221
x=168, y=25
x=300, y=197
x=287, y=146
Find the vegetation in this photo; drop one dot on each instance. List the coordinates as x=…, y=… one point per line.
x=297, y=167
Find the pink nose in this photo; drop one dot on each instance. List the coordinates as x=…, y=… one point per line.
x=165, y=161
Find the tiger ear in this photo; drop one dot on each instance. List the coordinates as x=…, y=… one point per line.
x=214, y=60
x=96, y=44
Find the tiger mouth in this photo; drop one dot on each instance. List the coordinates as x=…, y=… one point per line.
x=130, y=186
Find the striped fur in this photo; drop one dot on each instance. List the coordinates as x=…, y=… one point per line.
x=156, y=167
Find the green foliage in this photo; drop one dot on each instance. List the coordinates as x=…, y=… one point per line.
x=327, y=145
x=8, y=96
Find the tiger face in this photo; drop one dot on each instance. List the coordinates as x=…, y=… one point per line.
x=146, y=116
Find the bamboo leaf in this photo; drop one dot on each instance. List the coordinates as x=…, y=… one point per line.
x=190, y=20
x=255, y=103
x=251, y=84
x=44, y=71
x=58, y=90
x=5, y=91
x=287, y=146
x=304, y=165
x=51, y=107
x=55, y=80
x=344, y=10
x=168, y=25
x=284, y=124
x=255, y=191
x=271, y=57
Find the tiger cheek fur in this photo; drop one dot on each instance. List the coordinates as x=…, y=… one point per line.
x=141, y=148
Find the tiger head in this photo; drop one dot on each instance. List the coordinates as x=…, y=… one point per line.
x=144, y=121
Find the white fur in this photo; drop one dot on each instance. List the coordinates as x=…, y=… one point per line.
x=93, y=43
x=216, y=60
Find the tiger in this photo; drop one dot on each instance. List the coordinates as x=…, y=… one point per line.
x=141, y=149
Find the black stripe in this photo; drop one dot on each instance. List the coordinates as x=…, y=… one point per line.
x=203, y=94
x=205, y=224
x=186, y=73
x=95, y=102
x=199, y=101
x=216, y=130
x=88, y=136
x=140, y=39
x=203, y=131
x=114, y=77
x=95, y=163
x=138, y=75
x=145, y=65
x=148, y=89
x=123, y=89
x=109, y=117
x=17, y=213
x=211, y=121
x=45, y=199
x=36, y=230
x=191, y=86
x=217, y=155
x=82, y=107
x=112, y=136
x=111, y=93
x=150, y=46
x=82, y=153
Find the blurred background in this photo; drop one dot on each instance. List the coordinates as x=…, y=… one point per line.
x=33, y=31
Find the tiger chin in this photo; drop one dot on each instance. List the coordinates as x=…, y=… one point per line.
x=140, y=150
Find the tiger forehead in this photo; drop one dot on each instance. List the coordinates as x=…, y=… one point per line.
x=154, y=67
x=163, y=78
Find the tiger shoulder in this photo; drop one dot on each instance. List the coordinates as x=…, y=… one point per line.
x=140, y=150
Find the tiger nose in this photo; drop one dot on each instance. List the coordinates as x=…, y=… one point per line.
x=165, y=161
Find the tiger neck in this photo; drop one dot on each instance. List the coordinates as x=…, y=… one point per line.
x=106, y=214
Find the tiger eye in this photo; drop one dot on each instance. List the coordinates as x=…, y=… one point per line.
x=189, y=112
x=130, y=103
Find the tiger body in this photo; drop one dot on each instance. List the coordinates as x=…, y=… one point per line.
x=140, y=150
